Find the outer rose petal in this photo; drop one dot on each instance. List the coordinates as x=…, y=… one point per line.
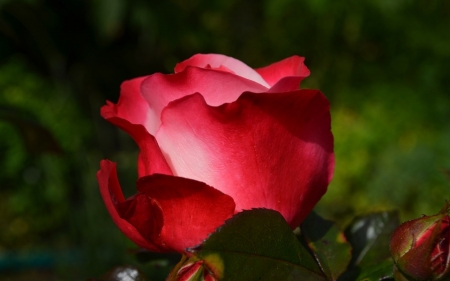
x=112, y=195
x=189, y=210
x=151, y=160
x=131, y=115
x=290, y=71
x=131, y=105
x=216, y=61
x=264, y=150
x=218, y=87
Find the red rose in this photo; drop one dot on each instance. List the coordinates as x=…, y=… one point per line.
x=215, y=138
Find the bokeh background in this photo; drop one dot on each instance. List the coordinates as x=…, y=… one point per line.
x=383, y=64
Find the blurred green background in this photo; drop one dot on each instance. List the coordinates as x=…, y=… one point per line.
x=383, y=64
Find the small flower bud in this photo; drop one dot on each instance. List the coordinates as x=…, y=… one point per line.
x=191, y=270
x=421, y=247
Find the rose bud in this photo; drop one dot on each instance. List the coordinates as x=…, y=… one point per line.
x=420, y=247
x=191, y=270
x=215, y=138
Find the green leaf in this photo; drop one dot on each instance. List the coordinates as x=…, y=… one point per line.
x=369, y=236
x=328, y=244
x=381, y=272
x=257, y=245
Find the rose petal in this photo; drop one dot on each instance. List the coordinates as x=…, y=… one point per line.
x=216, y=61
x=290, y=71
x=131, y=115
x=131, y=105
x=150, y=160
x=217, y=87
x=264, y=150
x=190, y=211
x=112, y=196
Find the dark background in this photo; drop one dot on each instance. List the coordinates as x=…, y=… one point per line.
x=383, y=64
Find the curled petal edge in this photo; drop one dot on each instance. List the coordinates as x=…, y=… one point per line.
x=112, y=195
x=167, y=214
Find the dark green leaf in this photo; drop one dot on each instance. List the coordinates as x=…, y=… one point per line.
x=381, y=272
x=328, y=245
x=257, y=245
x=369, y=236
x=123, y=273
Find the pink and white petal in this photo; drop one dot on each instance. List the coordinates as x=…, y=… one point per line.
x=264, y=150
x=216, y=61
x=217, y=87
x=131, y=105
x=191, y=210
x=292, y=66
x=151, y=159
x=112, y=196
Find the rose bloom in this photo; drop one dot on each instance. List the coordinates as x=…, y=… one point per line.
x=215, y=138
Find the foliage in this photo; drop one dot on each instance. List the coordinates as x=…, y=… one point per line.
x=259, y=245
